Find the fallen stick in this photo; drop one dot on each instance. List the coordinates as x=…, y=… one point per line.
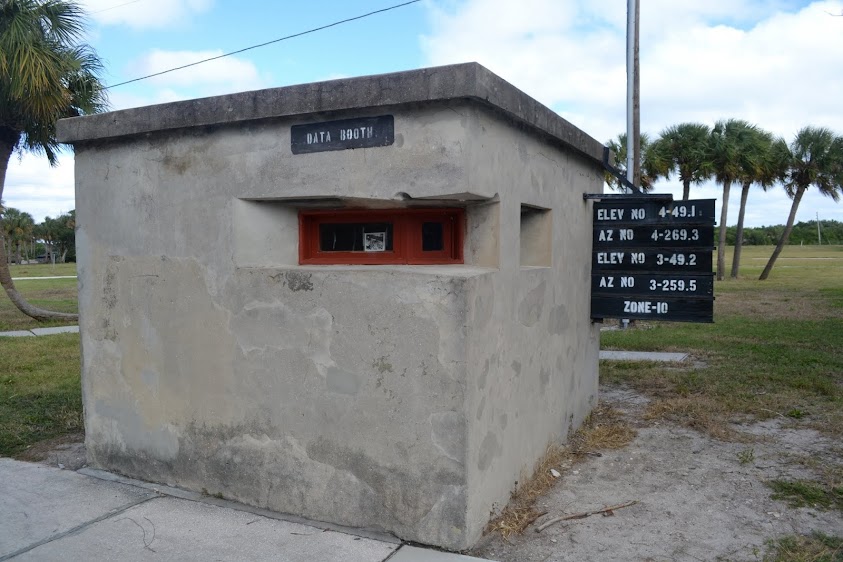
x=582, y=515
x=772, y=412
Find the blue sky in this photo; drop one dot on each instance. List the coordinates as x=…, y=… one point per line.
x=770, y=62
x=380, y=43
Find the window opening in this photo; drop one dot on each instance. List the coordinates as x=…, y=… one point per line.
x=536, y=237
x=355, y=237
x=433, y=237
x=381, y=236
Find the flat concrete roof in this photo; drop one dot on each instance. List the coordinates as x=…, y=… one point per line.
x=438, y=84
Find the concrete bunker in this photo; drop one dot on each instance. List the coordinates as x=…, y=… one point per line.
x=380, y=329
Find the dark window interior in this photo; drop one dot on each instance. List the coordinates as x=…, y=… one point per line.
x=433, y=239
x=355, y=237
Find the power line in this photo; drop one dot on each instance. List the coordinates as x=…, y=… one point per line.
x=117, y=6
x=262, y=44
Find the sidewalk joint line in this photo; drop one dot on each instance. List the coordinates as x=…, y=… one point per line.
x=79, y=528
x=179, y=493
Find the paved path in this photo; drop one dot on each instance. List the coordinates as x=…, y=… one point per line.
x=53, y=514
x=33, y=278
x=41, y=332
x=643, y=356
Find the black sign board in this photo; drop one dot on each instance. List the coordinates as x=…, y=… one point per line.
x=652, y=260
x=653, y=284
x=362, y=132
x=664, y=213
x=669, y=235
x=674, y=309
x=691, y=260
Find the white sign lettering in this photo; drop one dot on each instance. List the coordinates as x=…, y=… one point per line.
x=610, y=214
x=610, y=257
x=318, y=137
x=644, y=307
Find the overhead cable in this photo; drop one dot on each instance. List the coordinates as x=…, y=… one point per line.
x=263, y=44
x=113, y=7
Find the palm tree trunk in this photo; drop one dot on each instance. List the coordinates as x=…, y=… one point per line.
x=736, y=259
x=785, y=235
x=686, y=189
x=721, y=247
x=6, y=277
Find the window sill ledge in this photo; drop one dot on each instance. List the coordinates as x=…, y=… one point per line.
x=456, y=270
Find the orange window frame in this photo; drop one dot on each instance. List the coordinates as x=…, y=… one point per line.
x=406, y=236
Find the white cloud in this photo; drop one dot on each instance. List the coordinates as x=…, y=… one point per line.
x=700, y=61
x=232, y=72
x=538, y=45
x=218, y=77
x=144, y=14
x=32, y=185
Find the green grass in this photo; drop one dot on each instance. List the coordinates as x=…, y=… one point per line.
x=42, y=270
x=806, y=493
x=52, y=294
x=776, y=348
x=40, y=394
x=817, y=547
x=746, y=456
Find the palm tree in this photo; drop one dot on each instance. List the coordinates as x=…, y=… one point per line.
x=729, y=155
x=763, y=164
x=45, y=74
x=815, y=158
x=652, y=166
x=684, y=149
x=17, y=228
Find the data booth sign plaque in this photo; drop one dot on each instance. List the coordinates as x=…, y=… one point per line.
x=362, y=132
x=653, y=260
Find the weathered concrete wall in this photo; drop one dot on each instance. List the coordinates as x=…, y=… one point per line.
x=532, y=357
x=406, y=398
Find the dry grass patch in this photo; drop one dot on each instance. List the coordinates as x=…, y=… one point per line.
x=41, y=450
x=521, y=510
x=827, y=420
x=614, y=436
x=603, y=429
x=697, y=412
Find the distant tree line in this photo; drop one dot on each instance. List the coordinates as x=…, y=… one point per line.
x=735, y=152
x=53, y=240
x=803, y=233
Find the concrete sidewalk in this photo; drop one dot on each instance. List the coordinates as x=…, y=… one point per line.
x=41, y=332
x=54, y=514
x=48, y=277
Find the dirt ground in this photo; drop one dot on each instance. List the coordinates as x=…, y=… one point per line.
x=698, y=498
x=66, y=452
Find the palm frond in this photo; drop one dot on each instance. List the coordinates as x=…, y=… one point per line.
x=45, y=73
